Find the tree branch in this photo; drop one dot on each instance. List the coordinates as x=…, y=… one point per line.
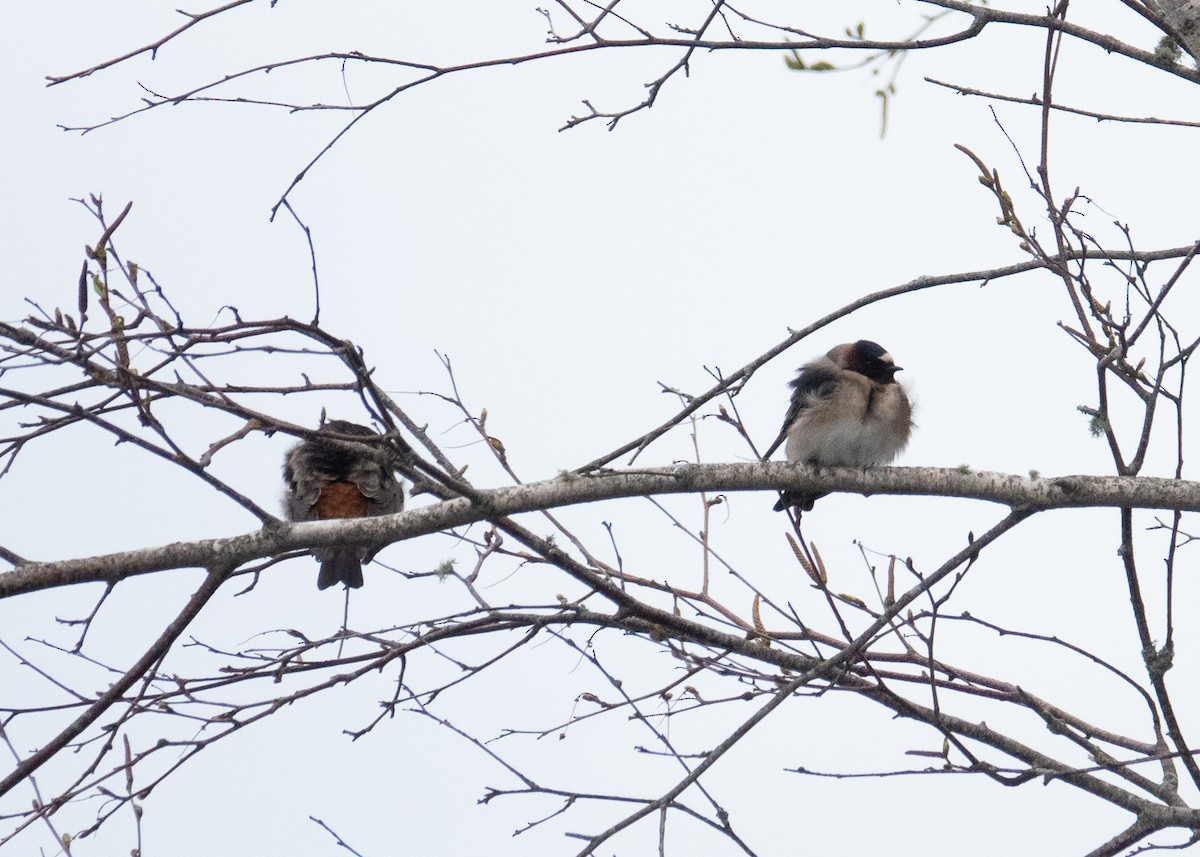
x=1061, y=492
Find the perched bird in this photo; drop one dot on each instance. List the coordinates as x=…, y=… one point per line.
x=847, y=410
x=330, y=478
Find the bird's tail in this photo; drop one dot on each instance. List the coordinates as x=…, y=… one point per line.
x=340, y=565
x=801, y=502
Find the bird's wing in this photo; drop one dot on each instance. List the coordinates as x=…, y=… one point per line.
x=378, y=485
x=816, y=382
x=302, y=493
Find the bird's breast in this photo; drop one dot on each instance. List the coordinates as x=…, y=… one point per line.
x=860, y=425
x=341, y=500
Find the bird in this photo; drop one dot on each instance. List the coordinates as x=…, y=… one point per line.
x=329, y=478
x=847, y=410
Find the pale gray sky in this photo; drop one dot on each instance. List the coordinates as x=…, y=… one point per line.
x=566, y=274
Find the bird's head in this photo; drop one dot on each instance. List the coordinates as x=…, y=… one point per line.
x=866, y=358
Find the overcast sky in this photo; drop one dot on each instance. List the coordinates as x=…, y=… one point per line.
x=567, y=274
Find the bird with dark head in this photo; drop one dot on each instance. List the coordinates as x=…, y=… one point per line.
x=330, y=477
x=847, y=410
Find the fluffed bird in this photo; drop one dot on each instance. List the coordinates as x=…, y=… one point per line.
x=847, y=410
x=329, y=478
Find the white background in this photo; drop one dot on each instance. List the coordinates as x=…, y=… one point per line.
x=566, y=275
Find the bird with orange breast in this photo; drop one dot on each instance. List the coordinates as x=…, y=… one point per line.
x=847, y=410
x=331, y=477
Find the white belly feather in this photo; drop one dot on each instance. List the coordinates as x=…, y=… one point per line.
x=857, y=427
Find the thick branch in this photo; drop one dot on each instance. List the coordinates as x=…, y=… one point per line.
x=1062, y=492
x=1184, y=18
